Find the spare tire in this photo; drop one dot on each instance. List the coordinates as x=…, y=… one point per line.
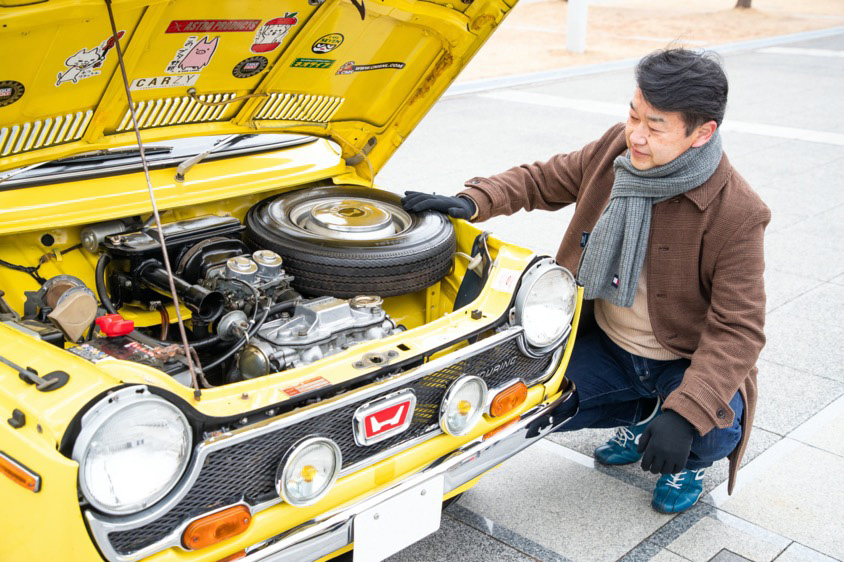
x=348, y=241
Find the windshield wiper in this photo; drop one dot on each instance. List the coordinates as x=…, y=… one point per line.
x=89, y=157
x=224, y=142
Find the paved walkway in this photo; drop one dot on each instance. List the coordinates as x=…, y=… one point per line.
x=785, y=133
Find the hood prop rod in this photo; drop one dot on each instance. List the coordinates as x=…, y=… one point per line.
x=197, y=394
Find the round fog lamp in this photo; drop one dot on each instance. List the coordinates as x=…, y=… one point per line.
x=463, y=405
x=308, y=471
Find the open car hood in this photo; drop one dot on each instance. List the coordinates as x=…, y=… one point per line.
x=362, y=74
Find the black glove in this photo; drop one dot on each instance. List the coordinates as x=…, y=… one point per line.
x=457, y=207
x=666, y=443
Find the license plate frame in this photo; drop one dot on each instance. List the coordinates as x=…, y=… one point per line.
x=396, y=523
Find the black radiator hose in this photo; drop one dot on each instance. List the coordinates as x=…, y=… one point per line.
x=102, y=290
x=207, y=305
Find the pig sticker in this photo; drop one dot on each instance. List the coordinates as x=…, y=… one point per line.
x=194, y=55
x=271, y=34
x=86, y=62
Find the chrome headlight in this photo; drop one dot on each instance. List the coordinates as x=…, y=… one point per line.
x=463, y=405
x=308, y=471
x=132, y=449
x=545, y=304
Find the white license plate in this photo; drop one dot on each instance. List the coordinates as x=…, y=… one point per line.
x=398, y=522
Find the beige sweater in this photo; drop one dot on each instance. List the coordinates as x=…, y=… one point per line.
x=630, y=328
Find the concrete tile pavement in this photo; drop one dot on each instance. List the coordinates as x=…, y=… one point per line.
x=787, y=504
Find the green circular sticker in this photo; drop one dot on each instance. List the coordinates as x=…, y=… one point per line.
x=10, y=92
x=327, y=43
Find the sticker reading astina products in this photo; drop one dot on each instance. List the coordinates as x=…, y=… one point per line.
x=350, y=67
x=327, y=43
x=10, y=92
x=249, y=67
x=86, y=63
x=211, y=26
x=272, y=33
x=194, y=55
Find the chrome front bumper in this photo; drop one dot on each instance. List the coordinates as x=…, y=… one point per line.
x=333, y=530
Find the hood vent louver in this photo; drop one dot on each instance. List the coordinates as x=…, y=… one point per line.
x=176, y=111
x=298, y=107
x=41, y=134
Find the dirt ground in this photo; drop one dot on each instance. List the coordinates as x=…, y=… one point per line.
x=533, y=37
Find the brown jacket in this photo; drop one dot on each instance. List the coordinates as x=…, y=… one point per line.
x=705, y=261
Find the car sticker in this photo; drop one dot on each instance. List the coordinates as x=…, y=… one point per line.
x=180, y=81
x=327, y=43
x=249, y=67
x=10, y=92
x=350, y=67
x=211, y=26
x=506, y=279
x=273, y=32
x=307, y=386
x=194, y=55
x=86, y=63
x=312, y=63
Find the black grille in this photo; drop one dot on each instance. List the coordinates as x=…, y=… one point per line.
x=247, y=470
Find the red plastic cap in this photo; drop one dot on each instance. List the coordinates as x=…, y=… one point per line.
x=113, y=325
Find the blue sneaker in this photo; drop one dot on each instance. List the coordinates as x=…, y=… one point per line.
x=678, y=492
x=621, y=448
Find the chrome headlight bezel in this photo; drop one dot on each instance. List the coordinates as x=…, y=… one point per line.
x=99, y=416
x=452, y=391
x=532, y=276
x=286, y=466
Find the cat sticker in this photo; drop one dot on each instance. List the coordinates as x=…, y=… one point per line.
x=272, y=33
x=86, y=62
x=194, y=55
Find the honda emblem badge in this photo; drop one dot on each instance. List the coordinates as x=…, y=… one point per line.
x=383, y=418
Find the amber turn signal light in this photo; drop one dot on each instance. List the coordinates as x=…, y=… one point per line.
x=232, y=557
x=508, y=399
x=19, y=474
x=217, y=527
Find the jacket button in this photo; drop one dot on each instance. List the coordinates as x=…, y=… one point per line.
x=721, y=414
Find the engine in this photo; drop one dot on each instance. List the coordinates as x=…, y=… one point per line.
x=246, y=321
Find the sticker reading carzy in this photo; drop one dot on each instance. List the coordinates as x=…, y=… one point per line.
x=350, y=67
x=249, y=67
x=273, y=33
x=211, y=26
x=312, y=63
x=194, y=55
x=327, y=43
x=180, y=81
x=10, y=92
x=86, y=63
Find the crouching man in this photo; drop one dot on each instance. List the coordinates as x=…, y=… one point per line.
x=667, y=240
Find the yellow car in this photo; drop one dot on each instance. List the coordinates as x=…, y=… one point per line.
x=218, y=339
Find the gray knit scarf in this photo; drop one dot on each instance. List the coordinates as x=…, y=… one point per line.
x=613, y=258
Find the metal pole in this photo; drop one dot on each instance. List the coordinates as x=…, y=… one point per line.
x=576, y=25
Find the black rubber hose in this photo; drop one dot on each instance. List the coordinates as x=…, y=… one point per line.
x=102, y=291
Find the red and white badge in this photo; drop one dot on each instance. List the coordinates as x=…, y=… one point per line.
x=383, y=418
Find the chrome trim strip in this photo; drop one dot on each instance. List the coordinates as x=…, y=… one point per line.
x=102, y=525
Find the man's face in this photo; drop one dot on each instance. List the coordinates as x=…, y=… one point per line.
x=657, y=137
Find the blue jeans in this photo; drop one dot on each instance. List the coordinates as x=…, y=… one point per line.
x=614, y=387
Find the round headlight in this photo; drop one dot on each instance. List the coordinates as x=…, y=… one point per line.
x=308, y=471
x=463, y=405
x=132, y=449
x=545, y=304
